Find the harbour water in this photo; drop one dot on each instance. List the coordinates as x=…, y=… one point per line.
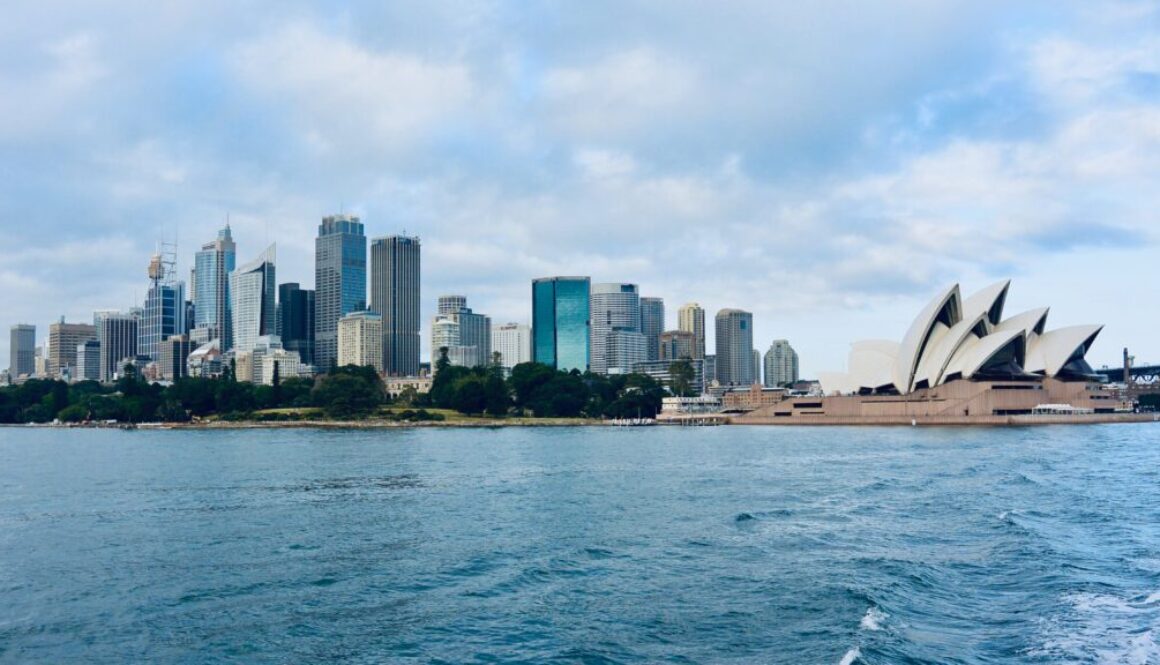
x=582, y=545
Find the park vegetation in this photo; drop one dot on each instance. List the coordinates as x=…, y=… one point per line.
x=345, y=393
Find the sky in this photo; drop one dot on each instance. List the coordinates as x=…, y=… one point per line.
x=828, y=166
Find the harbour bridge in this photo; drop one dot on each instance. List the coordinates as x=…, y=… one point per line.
x=1145, y=374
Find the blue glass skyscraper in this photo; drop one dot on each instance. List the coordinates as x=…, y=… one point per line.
x=560, y=326
x=211, y=287
x=340, y=282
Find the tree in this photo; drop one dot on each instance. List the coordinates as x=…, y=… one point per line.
x=682, y=375
x=344, y=395
x=469, y=395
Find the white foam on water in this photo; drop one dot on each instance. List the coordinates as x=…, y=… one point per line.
x=851, y=656
x=873, y=619
x=1101, y=628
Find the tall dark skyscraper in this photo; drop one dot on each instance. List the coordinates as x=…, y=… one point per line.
x=340, y=282
x=395, y=295
x=211, y=287
x=735, y=364
x=652, y=324
x=22, y=350
x=296, y=320
x=164, y=311
x=560, y=325
x=117, y=333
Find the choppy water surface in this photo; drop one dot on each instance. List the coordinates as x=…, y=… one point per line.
x=587, y=545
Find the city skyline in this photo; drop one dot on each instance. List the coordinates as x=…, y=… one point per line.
x=981, y=141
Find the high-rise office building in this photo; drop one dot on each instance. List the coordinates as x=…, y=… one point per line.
x=624, y=350
x=340, y=282
x=676, y=344
x=560, y=326
x=117, y=333
x=465, y=334
x=781, y=364
x=252, y=289
x=710, y=369
x=513, y=342
x=734, y=329
x=174, y=354
x=360, y=340
x=63, y=339
x=164, y=311
x=296, y=320
x=22, y=350
x=652, y=324
x=395, y=295
x=691, y=319
x=613, y=308
x=88, y=361
x=756, y=366
x=211, y=287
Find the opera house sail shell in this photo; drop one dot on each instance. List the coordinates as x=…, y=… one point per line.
x=956, y=339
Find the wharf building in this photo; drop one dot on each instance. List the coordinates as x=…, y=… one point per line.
x=63, y=340
x=210, y=283
x=360, y=340
x=513, y=343
x=295, y=320
x=961, y=361
x=395, y=262
x=465, y=334
x=252, y=292
x=22, y=350
x=164, y=311
x=340, y=282
x=652, y=324
x=117, y=334
x=560, y=322
x=735, y=365
x=781, y=364
x=616, y=341
x=691, y=319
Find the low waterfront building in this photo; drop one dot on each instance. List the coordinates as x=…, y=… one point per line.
x=661, y=370
x=397, y=385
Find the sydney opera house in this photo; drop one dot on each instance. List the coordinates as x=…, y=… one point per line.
x=961, y=360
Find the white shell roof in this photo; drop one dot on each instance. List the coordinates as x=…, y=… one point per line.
x=938, y=356
x=974, y=355
x=919, y=332
x=1050, y=351
x=989, y=301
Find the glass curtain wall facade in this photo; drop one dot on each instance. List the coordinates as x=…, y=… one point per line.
x=211, y=287
x=340, y=282
x=735, y=363
x=652, y=324
x=164, y=315
x=252, y=301
x=560, y=327
x=296, y=320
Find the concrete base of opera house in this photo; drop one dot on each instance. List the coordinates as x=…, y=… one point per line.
x=960, y=402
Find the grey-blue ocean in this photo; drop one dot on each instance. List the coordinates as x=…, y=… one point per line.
x=581, y=545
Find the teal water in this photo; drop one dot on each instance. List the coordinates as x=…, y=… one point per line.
x=582, y=545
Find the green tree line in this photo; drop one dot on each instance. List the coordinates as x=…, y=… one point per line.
x=351, y=392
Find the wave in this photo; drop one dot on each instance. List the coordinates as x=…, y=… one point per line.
x=851, y=656
x=873, y=619
x=1102, y=628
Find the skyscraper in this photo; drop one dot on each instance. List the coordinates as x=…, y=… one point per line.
x=164, y=311
x=652, y=324
x=360, y=340
x=296, y=320
x=211, y=287
x=676, y=344
x=340, y=282
x=117, y=333
x=395, y=295
x=614, y=309
x=252, y=309
x=691, y=319
x=63, y=339
x=781, y=364
x=22, y=350
x=88, y=361
x=560, y=327
x=734, y=329
x=174, y=354
x=756, y=366
x=513, y=341
x=465, y=334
